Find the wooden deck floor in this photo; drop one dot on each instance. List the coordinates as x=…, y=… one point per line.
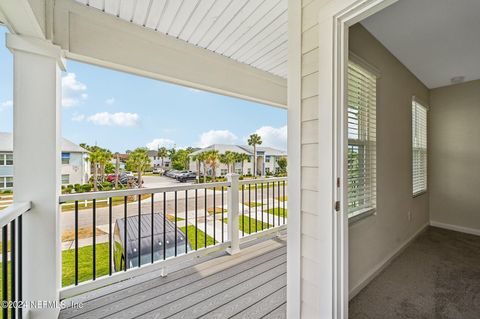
x=250, y=284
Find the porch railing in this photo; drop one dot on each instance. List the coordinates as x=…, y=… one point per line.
x=141, y=230
x=11, y=227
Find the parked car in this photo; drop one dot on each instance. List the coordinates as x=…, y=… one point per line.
x=187, y=177
x=171, y=172
x=179, y=173
x=158, y=170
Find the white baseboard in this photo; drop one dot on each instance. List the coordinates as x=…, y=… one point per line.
x=467, y=230
x=384, y=263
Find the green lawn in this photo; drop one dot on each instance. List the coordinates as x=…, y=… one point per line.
x=278, y=211
x=249, y=226
x=201, y=237
x=85, y=270
x=117, y=200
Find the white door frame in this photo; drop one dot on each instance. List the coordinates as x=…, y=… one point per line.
x=335, y=19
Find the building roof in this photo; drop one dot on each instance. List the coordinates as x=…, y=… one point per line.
x=6, y=144
x=246, y=149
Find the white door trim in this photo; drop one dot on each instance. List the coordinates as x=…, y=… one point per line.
x=334, y=19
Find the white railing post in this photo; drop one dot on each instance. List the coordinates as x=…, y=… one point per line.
x=37, y=65
x=232, y=204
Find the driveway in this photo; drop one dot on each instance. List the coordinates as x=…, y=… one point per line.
x=160, y=181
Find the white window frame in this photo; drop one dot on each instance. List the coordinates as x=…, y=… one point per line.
x=365, y=140
x=69, y=158
x=68, y=179
x=419, y=148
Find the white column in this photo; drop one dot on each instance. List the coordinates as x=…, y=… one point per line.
x=37, y=147
x=232, y=204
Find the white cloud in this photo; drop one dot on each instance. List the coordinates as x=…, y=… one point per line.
x=78, y=117
x=73, y=91
x=114, y=119
x=110, y=101
x=6, y=104
x=273, y=137
x=160, y=142
x=216, y=137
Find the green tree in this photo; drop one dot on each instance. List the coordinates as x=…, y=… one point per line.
x=242, y=157
x=254, y=140
x=162, y=153
x=105, y=157
x=212, y=159
x=139, y=161
x=282, y=165
x=229, y=159
x=94, y=157
x=202, y=158
x=180, y=159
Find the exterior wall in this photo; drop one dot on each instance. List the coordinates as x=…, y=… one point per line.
x=453, y=153
x=247, y=166
x=77, y=169
x=376, y=238
x=157, y=161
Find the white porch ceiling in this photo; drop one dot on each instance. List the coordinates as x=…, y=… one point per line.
x=253, y=32
x=435, y=39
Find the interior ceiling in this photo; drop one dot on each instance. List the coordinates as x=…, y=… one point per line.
x=253, y=32
x=435, y=39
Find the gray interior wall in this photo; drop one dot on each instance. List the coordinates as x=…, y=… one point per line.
x=454, y=156
x=374, y=239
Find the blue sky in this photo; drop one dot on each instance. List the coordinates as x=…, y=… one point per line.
x=121, y=111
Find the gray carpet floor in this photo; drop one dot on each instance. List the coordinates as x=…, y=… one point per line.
x=437, y=276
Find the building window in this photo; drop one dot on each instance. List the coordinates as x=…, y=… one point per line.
x=249, y=159
x=249, y=171
x=6, y=159
x=65, y=179
x=267, y=170
x=361, y=140
x=223, y=172
x=65, y=158
x=238, y=171
x=6, y=182
x=419, y=148
x=267, y=159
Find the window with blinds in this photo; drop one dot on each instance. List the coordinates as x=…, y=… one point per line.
x=419, y=148
x=361, y=140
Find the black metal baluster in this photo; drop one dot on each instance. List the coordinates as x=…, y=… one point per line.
x=223, y=209
x=205, y=213
x=283, y=203
x=273, y=203
x=125, y=242
x=20, y=266
x=12, y=267
x=256, y=208
x=214, y=213
x=76, y=243
x=110, y=236
x=5, y=271
x=164, y=226
x=175, y=223
x=94, y=239
x=152, y=223
x=249, y=208
x=139, y=230
x=186, y=221
x=268, y=206
x=278, y=207
x=243, y=211
x=196, y=219
x=261, y=189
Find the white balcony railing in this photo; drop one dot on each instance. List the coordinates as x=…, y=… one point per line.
x=126, y=233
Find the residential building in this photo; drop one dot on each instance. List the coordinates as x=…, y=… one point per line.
x=156, y=161
x=75, y=168
x=267, y=159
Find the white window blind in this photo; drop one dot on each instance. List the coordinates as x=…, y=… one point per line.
x=361, y=140
x=419, y=147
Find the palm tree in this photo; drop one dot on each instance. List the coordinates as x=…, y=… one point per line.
x=94, y=158
x=162, y=153
x=202, y=158
x=196, y=158
x=117, y=168
x=105, y=157
x=254, y=140
x=242, y=157
x=139, y=161
x=212, y=160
